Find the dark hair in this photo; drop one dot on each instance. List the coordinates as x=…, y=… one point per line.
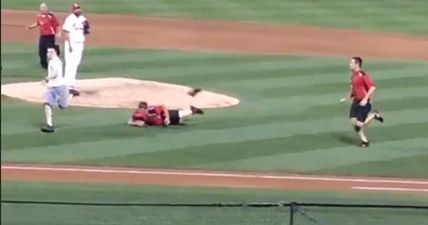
x=142, y=104
x=358, y=60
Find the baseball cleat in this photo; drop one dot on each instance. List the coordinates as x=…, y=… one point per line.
x=378, y=116
x=364, y=144
x=194, y=92
x=47, y=129
x=196, y=110
x=74, y=92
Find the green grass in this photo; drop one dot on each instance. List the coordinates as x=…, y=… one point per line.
x=386, y=15
x=52, y=214
x=289, y=119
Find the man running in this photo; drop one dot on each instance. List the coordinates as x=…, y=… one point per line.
x=362, y=88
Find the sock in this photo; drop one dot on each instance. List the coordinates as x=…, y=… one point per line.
x=48, y=115
x=362, y=136
x=184, y=112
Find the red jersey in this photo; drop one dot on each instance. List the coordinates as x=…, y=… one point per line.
x=156, y=115
x=361, y=83
x=48, y=23
x=153, y=116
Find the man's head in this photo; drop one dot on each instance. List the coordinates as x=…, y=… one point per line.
x=75, y=8
x=52, y=53
x=44, y=8
x=142, y=105
x=356, y=63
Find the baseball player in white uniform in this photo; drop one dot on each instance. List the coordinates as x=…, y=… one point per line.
x=76, y=27
x=57, y=92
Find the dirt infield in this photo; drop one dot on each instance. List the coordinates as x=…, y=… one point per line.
x=117, y=92
x=194, y=178
x=208, y=35
x=185, y=34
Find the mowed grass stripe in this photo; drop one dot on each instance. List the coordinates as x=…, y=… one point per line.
x=325, y=75
x=410, y=166
x=151, y=140
x=323, y=158
x=284, y=153
x=316, y=112
x=328, y=88
x=297, y=103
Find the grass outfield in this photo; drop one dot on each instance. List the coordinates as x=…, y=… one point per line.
x=76, y=215
x=289, y=118
x=387, y=15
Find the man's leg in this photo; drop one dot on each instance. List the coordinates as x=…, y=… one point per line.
x=70, y=69
x=359, y=128
x=358, y=115
x=49, y=102
x=373, y=115
x=177, y=116
x=43, y=52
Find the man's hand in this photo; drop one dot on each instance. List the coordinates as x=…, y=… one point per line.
x=44, y=81
x=343, y=100
x=166, y=121
x=363, y=102
x=70, y=49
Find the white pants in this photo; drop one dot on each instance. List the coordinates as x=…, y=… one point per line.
x=72, y=62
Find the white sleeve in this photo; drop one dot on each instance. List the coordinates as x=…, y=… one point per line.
x=68, y=24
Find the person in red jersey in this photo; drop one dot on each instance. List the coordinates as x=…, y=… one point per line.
x=159, y=115
x=48, y=24
x=362, y=88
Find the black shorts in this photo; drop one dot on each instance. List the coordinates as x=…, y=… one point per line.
x=174, y=117
x=360, y=112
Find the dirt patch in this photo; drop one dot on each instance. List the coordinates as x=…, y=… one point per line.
x=208, y=35
x=189, y=178
x=123, y=93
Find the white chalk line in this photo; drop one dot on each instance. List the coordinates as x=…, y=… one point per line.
x=391, y=189
x=209, y=174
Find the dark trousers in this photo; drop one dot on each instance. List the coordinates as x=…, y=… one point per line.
x=45, y=42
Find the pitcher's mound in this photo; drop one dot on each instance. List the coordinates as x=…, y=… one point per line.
x=123, y=93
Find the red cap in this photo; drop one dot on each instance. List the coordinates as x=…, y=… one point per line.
x=75, y=7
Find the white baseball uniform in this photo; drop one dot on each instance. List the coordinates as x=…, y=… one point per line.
x=74, y=25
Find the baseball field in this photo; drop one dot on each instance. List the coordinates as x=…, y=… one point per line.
x=285, y=138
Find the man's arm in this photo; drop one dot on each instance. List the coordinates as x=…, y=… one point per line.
x=53, y=74
x=57, y=26
x=369, y=93
x=137, y=123
x=31, y=26
x=166, y=112
x=372, y=87
x=349, y=96
x=66, y=27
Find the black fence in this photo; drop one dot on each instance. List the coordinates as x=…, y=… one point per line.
x=292, y=213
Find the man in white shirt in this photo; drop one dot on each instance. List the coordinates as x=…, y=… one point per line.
x=76, y=27
x=57, y=92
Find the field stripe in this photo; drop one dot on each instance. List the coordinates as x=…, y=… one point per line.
x=212, y=174
x=383, y=189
